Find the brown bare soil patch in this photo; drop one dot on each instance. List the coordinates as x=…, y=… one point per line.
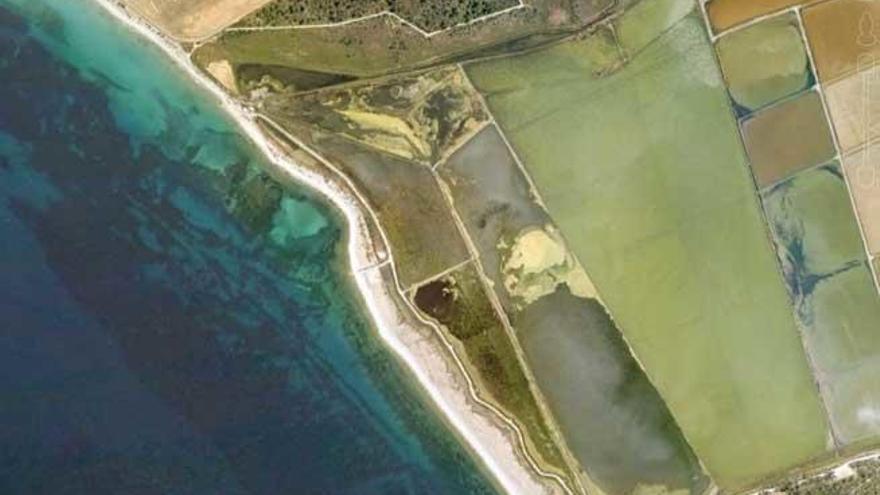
x=844, y=35
x=725, y=14
x=191, y=20
x=788, y=137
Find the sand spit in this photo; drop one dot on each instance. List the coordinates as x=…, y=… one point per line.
x=492, y=437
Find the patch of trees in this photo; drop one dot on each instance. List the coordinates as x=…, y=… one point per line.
x=428, y=15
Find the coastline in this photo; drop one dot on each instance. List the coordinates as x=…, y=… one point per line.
x=486, y=432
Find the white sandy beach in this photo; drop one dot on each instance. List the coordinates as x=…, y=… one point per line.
x=491, y=436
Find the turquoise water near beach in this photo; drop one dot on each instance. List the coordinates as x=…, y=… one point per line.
x=172, y=319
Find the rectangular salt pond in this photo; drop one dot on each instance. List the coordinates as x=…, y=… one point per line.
x=821, y=252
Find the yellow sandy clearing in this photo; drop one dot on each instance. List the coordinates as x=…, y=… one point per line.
x=221, y=70
x=390, y=126
x=539, y=262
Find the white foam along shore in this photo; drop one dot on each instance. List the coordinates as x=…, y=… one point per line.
x=492, y=438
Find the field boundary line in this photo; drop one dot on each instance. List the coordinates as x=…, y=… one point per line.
x=754, y=20
x=384, y=13
x=533, y=189
x=439, y=274
x=375, y=266
x=747, y=24
x=467, y=138
x=797, y=9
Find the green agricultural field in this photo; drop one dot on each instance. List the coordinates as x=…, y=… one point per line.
x=647, y=179
x=360, y=49
x=820, y=249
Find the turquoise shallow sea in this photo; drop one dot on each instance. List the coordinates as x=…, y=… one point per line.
x=172, y=319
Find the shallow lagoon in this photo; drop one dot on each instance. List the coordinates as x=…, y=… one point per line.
x=666, y=229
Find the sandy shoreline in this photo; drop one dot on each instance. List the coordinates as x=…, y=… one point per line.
x=491, y=438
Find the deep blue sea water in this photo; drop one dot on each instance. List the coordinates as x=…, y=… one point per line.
x=173, y=321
